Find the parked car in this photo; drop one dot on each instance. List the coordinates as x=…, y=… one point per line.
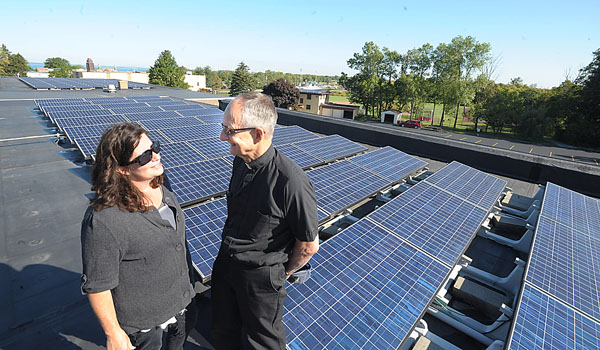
x=410, y=124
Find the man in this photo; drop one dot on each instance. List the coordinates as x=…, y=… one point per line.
x=270, y=231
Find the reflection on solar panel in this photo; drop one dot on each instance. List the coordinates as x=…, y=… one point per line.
x=544, y=323
x=203, y=228
x=471, y=184
x=200, y=180
x=330, y=147
x=368, y=289
x=157, y=124
x=291, y=134
x=192, y=132
x=436, y=221
x=390, y=163
x=88, y=146
x=302, y=158
x=211, y=147
x=151, y=115
x=179, y=153
x=91, y=120
x=342, y=184
x=78, y=132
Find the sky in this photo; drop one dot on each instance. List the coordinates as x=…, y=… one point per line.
x=542, y=42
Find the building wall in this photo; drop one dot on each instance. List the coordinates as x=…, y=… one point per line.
x=38, y=74
x=196, y=82
x=315, y=102
x=129, y=76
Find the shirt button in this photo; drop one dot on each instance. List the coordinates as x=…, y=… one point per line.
x=178, y=247
x=186, y=293
x=181, y=273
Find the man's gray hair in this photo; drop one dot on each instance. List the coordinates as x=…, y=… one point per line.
x=258, y=111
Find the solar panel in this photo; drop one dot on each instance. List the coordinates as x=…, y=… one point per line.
x=330, y=147
x=572, y=209
x=367, y=290
x=203, y=228
x=302, y=158
x=434, y=220
x=390, y=163
x=71, y=107
x=149, y=98
x=59, y=101
x=76, y=114
x=290, y=134
x=120, y=104
x=341, y=184
x=200, y=180
x=107, y=99
x=156, y=135
x=173, y=154
x=151, y=115
x=473, y=185
x=211, y=147
x=88, y=146
x=182, y=107
x=135, y=109
x=91, y=120
x=77, y=132
x=165, y=102
x=321, y=215
x=211, y=119
x=192, y=132
x=542, y=322
x=157, y=124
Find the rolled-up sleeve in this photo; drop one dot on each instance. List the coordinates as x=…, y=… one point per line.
x=302, y=209
x=100, y=256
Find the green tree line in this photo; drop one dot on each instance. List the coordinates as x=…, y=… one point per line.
x=14, y=65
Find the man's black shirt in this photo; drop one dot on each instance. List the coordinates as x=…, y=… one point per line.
x=270, y=204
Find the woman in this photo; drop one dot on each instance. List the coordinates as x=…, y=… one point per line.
x=136, y=264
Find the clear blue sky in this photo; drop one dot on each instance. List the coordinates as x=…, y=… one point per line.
x=539, y=41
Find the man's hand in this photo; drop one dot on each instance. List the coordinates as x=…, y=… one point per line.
x=301, y=254
x=119, y=340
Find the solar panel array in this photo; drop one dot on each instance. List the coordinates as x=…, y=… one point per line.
x=76, y=83
x=373, y=281
x=560, y=301
x=332, y=196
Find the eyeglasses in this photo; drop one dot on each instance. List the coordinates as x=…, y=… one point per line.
x=230, y=132
x=146, y=157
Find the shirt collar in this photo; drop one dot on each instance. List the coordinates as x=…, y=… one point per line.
x=262, y=160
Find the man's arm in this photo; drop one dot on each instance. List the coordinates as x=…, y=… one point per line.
x=104, y=308
x=301, y=254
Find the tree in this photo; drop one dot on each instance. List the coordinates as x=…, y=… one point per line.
x=17, y=66
x=166, y=72
x=212, y=78
x=3, y=58
x=241, y=80
x=61, y=68
x=364, y=85
x=284, y=94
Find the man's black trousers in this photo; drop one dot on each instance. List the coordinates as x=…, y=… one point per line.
x=249, y=298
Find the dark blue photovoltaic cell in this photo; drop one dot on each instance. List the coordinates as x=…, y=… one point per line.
x=192, y=132
x=158, y=124
x=433, y=220
x=77, y=132
x=291, y=134
x=302, y=158
x=342, y=184
x=88, y=146
x=71, y=108
x=473, y=185
x=201, y=111
x=203, y=228
x=368, y=289
x=93, y=120
x=211, y=147
x=572, y=209
x=543, y=323
x=75, y=114
x=390, y=163
x=330, y=147
x=178, y=153
x=135, y=109
x=566, y=264
x=199, y=180
x=151, y=115
x=181, y=107
x=210, y=119
x=321, y=215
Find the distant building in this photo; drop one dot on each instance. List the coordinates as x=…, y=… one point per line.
x=339, y=110
x=393, y=116
x=90, y=65
x=196, y=82
x=129, y=76
x=312, y=100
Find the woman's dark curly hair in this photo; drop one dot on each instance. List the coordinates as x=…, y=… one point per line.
x=111, y=187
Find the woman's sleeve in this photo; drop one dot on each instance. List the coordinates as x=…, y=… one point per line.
x=100, y=255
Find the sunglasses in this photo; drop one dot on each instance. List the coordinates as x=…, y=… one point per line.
x=230, y=132
x=146, y=157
